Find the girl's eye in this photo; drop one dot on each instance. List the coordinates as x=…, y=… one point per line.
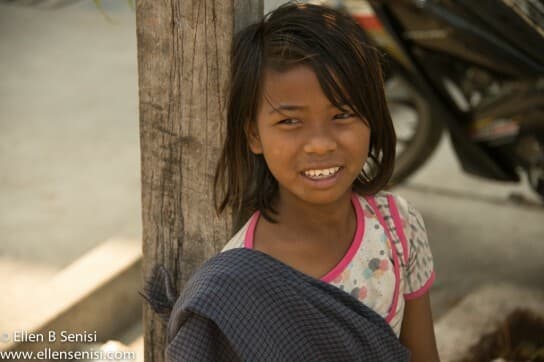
x=288, y=121
x=344, y=115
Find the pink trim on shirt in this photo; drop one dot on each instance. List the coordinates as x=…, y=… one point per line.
x=398, y=226
x=346, y=259
x=250, y=233
x=418, y=293
x=355, y=243
x=393, y=307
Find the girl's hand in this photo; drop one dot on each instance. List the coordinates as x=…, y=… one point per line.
x=417, y=331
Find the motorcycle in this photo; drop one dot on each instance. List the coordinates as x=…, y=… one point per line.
x=473, y=68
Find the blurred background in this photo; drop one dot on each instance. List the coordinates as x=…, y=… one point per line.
x=70, y=211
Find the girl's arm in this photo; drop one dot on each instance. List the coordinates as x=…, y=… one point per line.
x=417, y=331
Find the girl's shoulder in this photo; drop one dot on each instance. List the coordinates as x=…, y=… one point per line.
x=387, y=204
x=401, y=222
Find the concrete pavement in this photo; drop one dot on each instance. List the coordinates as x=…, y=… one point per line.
x=69, y=149
x=478, y=235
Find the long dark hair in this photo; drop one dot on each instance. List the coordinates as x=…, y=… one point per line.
x=349, y=72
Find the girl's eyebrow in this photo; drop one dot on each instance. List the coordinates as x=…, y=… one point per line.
x=294, y=107
x=286, y=107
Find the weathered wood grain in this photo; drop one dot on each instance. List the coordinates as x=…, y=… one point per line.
x=183, y=69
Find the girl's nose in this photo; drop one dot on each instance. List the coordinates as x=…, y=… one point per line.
x=320, y=142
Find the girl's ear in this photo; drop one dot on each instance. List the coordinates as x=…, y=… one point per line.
x=253, y=140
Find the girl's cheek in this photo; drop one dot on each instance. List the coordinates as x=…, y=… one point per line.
x=276, y=152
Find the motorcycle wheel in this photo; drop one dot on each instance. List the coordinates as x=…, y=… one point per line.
x=417, y=132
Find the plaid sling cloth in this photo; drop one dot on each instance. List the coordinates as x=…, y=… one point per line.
x=243, y=305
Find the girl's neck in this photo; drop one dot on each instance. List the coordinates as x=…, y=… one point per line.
x=315, y=221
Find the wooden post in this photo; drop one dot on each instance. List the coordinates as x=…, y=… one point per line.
x=183, y=69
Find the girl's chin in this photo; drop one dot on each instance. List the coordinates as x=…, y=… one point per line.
x=324, y=199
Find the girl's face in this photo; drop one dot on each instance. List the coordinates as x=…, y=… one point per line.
x=314, y=150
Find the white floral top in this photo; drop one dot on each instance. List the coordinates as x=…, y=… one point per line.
x=381, y=277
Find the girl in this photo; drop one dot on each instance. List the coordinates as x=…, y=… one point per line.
x=310, y=146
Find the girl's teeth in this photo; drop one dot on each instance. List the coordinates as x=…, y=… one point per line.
x=322, y=173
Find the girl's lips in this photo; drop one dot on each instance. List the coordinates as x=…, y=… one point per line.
x=322, y=183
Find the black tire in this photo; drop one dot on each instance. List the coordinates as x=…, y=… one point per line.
x=409, y=108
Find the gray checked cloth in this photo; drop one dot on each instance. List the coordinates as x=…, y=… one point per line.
x=244, y=305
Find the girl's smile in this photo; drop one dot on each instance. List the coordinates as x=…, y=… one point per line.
x=313, y=149
x=322, y=177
